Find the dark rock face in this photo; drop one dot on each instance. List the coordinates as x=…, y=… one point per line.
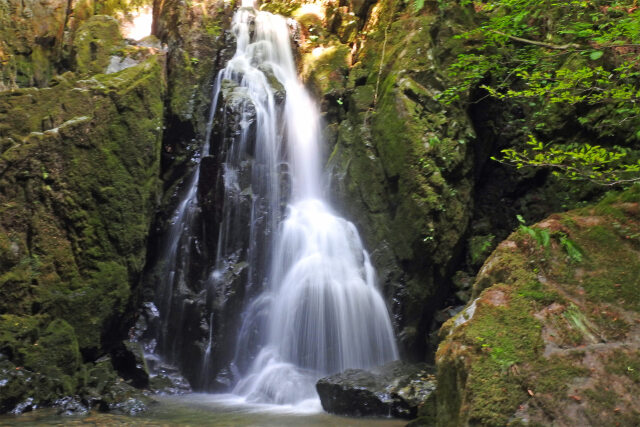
x=128, y=360
x=197, y=40
x=397, y=389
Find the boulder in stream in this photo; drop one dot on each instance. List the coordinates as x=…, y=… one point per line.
x=396, y=389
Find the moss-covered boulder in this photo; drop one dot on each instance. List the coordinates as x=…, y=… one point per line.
x=325, y=69
x=551, y=336
x=40, y=39
x=94, y=43
x=39, y=359
x=79, y=166
x=31, y=38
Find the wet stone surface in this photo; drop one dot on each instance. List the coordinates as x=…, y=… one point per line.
x=396, y=389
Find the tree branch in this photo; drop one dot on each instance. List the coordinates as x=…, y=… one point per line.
x=537, y=43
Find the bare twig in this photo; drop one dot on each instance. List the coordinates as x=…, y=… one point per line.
x=537, y=43
x=384, y=48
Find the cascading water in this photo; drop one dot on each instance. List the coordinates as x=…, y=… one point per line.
x=315, y=308
x=320, y=312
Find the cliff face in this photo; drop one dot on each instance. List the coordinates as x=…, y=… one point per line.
x=79, y=162
x=31, y=34
x=551, y=336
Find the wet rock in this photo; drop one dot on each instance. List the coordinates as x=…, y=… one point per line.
x=169, y=384
x=148, y=316
x=24, y=406
x=129, y=361
x=165, y=378
x=122, y=399
x=130, y=406
x=118, y=63
x=397, y=389
x=402, y=160
x=70, y=406
x=279, y=92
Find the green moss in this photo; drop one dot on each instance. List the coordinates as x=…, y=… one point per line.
x=541, y=294
x=534, y=298
x=501, y=335
x=549, y=380
x=494, y=395
x=326, y=72
x=480, y=247
x=284, y=8
x=625, y=363
x=614, y=273
x=48, y=354
x=508, y=333
x=104, y=296
x=55, y=350
x=100, y=377
x=16, y=332
x=80, y=195
x=605, y=407
x=94, y=43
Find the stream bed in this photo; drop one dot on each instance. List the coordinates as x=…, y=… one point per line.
x=200, y=409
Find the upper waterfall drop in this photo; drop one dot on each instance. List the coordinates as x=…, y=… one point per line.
x=320, y=311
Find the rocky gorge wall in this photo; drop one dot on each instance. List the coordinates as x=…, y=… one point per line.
x=401, y=161
x=79, y=184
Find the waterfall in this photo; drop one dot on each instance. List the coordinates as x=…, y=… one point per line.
x=320, y=311
x=312, y=306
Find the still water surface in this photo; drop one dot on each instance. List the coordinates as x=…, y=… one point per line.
x=204, y=410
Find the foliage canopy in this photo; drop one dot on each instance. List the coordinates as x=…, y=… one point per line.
x=551, y=57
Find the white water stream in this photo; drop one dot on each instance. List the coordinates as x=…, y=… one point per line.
x=318, y=310
x=323, y=311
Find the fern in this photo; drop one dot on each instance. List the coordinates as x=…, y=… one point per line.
x=572, y=249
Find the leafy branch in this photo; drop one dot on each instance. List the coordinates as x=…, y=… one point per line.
x=584, y=162
x=542, y=55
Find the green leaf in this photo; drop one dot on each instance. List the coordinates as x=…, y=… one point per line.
x=544, y=238
x=596, y=54
x=572, y=249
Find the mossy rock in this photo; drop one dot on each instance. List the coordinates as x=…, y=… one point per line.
x=325, y=69
x=39, y=359
x=56, y=348
x=552, y=324
x=79, y=186
x=94, y=43
x=279, y=7
x=30, y=41
x=402, y=160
